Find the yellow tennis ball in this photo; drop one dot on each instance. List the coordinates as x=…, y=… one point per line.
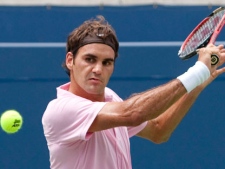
x=11, y=121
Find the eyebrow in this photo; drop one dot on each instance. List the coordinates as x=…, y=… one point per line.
x=95, y=57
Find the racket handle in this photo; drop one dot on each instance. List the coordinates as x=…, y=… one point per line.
x=214, y=59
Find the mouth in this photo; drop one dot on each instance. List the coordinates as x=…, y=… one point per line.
x=95, y=80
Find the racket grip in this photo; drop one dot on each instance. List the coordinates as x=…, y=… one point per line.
x=214, y=59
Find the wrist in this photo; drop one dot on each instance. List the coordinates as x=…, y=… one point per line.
x=195, y=76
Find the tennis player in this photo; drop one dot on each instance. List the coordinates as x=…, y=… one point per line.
x=88, y=125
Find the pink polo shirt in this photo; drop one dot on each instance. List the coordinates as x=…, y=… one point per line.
x=66, y=122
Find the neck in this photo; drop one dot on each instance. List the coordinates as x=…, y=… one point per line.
x=77, y=90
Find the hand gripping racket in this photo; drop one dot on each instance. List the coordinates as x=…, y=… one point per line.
x=204, y=33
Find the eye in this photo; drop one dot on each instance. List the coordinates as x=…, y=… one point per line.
x=107, y=62
x=90, y=60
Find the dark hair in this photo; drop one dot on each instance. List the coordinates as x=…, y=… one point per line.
x=91, y=31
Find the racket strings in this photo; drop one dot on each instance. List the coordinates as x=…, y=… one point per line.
x=203, y=33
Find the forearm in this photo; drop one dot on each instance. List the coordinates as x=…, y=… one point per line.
x=154, y=102
x=163, y=126
x=149, y=104
x=139, y=108
x=160, y=129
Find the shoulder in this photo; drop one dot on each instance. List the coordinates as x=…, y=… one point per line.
x=110, y=95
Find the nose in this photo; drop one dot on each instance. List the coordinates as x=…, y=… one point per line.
x=97, y=68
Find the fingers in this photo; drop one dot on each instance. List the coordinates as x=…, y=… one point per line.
x=221, y=54
x=221, y=46
x=218, y=72
x=213, y=76
x=205, y=57
x=206, y=53
x=212, y=45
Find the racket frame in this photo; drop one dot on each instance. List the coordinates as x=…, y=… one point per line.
x=210, y=39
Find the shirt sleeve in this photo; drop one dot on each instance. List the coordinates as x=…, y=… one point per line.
x=70, y=119
x=134, y=130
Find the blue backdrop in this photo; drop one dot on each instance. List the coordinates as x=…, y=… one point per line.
x=29, y=76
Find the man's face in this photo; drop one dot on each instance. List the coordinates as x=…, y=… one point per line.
x=91, y=69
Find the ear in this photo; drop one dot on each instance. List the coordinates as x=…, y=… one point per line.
x=69, y=60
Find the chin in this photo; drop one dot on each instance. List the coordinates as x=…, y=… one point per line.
x=95, y=92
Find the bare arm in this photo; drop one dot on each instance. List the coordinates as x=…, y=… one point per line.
x=151, y=104
x=139, y=108
x=160, y=129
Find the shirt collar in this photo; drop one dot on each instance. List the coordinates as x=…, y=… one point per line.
x=63, y=91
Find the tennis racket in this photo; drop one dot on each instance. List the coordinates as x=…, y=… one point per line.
x=204, y=33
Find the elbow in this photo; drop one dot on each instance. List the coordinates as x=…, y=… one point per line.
x=159, y=134
x=160, y=139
